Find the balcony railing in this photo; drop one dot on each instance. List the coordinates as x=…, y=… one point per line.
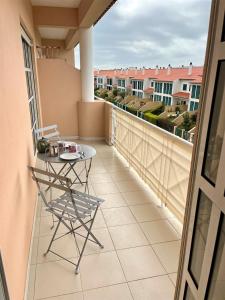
x=160, y=158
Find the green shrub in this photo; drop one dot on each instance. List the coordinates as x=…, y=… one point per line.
x=115, y=92
x=122, y=94
x=158, y=110
x=165, y=124
x=187, y=122
x=148, y=116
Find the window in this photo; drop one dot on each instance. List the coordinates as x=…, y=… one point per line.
x=167, y=88
x=199, y=238
x=30, y=79
x=121, y=82
x=216, y=127
x=109, y=81
x=184, y=87
x=216, y=287
x=195, y=92
x=167, y=100
x=152, y=84
x=157, y=98
x=137, y=85
x=193, y=105
x=158, y=87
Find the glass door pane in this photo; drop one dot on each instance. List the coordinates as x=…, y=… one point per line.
x=216, y=287
x=217, y=127
x=199, y=237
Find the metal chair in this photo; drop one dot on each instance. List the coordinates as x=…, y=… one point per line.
x=72, y=209
x=50, y=132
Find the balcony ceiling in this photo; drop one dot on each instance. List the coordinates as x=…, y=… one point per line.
x=61, y=19
x=57, y=3
x=53, y=33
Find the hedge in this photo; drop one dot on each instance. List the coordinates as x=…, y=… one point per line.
x=166, y=124
x=148, y=116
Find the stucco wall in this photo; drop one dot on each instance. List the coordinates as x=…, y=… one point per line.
x=91, y=118
x=60, y=91
x=17, y=200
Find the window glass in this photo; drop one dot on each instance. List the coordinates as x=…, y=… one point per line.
x=199, y=238
x=184, y=87
x=216, y=127
x=193, y=91
x=216, y=287
x=31, y=95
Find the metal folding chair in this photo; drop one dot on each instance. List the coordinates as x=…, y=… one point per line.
x=72, y=209
x=50, y=132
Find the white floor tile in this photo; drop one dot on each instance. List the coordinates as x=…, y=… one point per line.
x=156, y=288
x=99, y=270
x=140, y=262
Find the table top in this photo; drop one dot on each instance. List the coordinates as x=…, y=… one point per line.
x=89, y=152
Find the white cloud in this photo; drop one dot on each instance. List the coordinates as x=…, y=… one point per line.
x=150, y=32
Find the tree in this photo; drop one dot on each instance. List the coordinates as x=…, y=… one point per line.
x=186, y=122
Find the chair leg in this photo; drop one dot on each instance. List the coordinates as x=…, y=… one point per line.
x=54, y=234
x=85, y=242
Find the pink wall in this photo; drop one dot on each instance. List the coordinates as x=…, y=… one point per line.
x=16, y=151
x=60, y=91
x=91, y=116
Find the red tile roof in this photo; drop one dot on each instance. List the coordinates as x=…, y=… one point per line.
x=149, y=90
x=184, y=95
x=160, y=75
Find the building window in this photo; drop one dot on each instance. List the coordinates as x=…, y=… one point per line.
x=30, y=79
x=152, y=84
x=195, y=92
x=184, y=87
x=121, y=83
x=158, y=87
x=167, y=88
x=193, y=105
x=157, y=98
x=137, y=85
x=167, y=100
x=109, y=81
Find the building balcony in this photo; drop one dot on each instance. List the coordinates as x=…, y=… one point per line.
x=141, y=240
x=140, y=170
x=142, y=174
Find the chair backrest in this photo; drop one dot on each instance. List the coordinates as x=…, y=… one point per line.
x=49, y=132
x=50, y=181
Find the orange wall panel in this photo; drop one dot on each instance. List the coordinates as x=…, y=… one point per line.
x=60, y=91
x=18, y=194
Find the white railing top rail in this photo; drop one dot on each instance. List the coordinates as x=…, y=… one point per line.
x=165, y=132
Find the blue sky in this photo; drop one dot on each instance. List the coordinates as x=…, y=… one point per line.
x=152, y=32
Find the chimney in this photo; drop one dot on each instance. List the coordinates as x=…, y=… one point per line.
x=169, y=70
x=121, y=71
x=98, y=71
x=143, y=71
x=190, y=69
x=127, y=71
x=114, y=71
x=135, y=71
x=157, y=70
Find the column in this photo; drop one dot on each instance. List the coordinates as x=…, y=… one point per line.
x=86, y=64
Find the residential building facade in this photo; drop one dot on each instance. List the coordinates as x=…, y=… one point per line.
x=179, y=85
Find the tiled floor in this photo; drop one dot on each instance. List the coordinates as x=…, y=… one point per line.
x=141, y=243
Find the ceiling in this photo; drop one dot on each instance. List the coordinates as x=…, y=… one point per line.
x=57, y=3
x=55, y=33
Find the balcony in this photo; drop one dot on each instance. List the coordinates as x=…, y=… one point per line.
x=143, y=177
x=141, y=238
x=140, y=170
